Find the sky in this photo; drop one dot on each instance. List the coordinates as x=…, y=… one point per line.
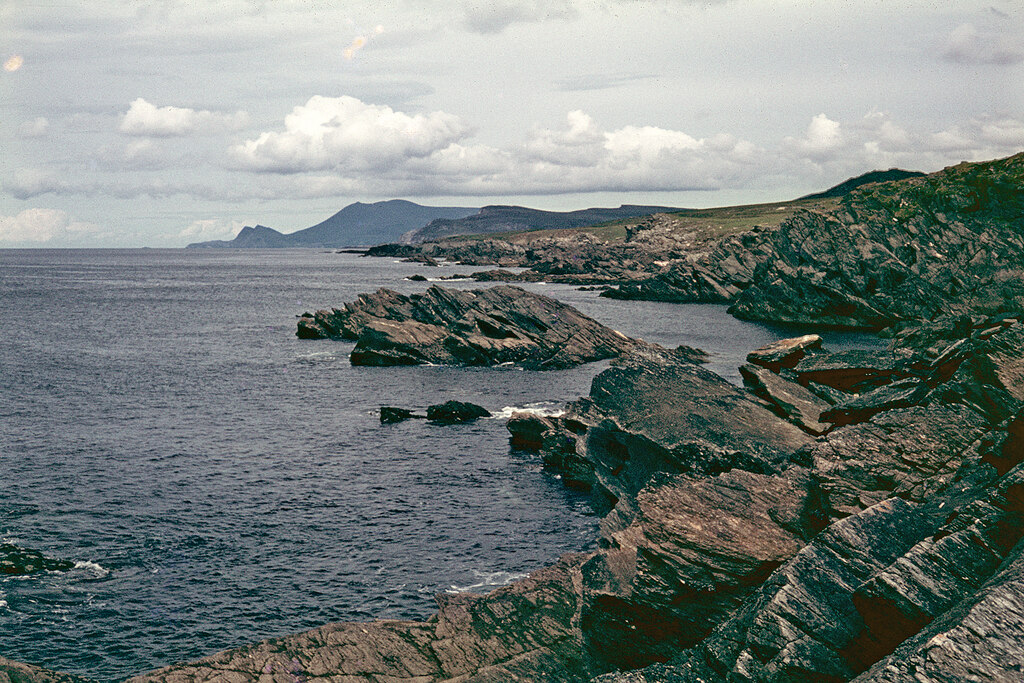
x=164, y=122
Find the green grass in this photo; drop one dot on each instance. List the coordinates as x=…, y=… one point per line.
x=705, y=223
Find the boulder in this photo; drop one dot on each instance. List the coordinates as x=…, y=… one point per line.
x=784, y=353
x=527, y=430
x=854, y=370
x=455, y=412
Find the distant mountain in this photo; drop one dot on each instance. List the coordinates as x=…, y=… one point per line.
x=356, y=225
x=514, y=218
x=852, y=184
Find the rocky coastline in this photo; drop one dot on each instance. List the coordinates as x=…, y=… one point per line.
x=843, y=516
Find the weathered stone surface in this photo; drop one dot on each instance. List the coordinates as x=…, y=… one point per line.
x=784, y=353
x=454, y=412
x=908, y=452
x=655, y=412
x=788, y=399
x=900, y=394
x=525, y=631
x=695, y=547
x=979, y=640
x=16, y=672
x=854, y=370
x=502, y=324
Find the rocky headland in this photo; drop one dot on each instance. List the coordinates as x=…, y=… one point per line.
x=879, y=255
x=502, y=324
x=843, y=516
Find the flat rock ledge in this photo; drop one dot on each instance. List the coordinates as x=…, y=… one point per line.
x=494, y=326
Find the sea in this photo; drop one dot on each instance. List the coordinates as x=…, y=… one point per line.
x=217, y=481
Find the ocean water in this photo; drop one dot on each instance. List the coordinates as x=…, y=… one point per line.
x=219, y=481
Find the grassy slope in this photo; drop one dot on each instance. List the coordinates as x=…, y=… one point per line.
x=709, y=223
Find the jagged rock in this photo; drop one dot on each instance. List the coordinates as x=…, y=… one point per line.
x=15, y=561
x=979, y=640
x=946, y=568
x=890, y=252
x=658, y=412
x=454, y=412
x=416, y=278
x=696, y=546
x=788, y=399
x=16, y=672
x=527, y=430
x=900, y=394
x=502, y=324
x=908, y=452
x=525, y=631
x=784, y=353
x=854, y=370
x=392, y=415
x=802, y=624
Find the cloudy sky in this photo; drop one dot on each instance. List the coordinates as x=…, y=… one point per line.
x=165, y=122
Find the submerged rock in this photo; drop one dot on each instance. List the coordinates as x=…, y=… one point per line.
x=16, y=561
x=392, y=415
x=503, y=324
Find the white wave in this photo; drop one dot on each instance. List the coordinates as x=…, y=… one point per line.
x=487, y=581
x=95, y=568
x=3, y=604
x=542, y=408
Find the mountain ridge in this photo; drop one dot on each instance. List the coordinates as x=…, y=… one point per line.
x=358, y=224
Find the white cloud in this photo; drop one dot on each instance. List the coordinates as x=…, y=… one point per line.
x=42, y=225
x=967, y=45
x=211, y=229
x=36, y=128
x=822, y=139
x=346, y=134
x=143, y=118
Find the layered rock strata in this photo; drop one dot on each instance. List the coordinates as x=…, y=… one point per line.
x=502, y=324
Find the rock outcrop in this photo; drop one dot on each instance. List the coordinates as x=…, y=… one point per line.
x=503, y=324
x=527, y=631
x=902, y=250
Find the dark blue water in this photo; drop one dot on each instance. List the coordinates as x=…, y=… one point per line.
x=220, y=481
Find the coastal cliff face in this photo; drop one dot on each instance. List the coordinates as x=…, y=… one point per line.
x=882, y=254
x=847, y=516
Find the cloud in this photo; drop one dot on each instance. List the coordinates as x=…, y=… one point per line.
x=143, y=118
x=35, y=128
x=349, y=135
x=42, y=225
x=494, y=17
x=966, y=45
x=211, y=229
x=822, y=139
